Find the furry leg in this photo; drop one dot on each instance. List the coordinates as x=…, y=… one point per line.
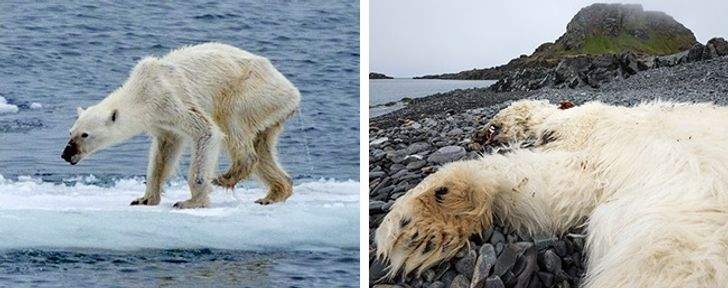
x=434, y=220
x=532, y=192
x=280, y=185
x=164, y=155
x=243, y=160
x=205, y=151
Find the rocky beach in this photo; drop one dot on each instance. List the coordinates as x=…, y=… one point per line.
x=408, y=144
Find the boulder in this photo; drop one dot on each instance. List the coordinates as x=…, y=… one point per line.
x=718, y=45
x=696, y=53
x=629, y=64
x=447, y=154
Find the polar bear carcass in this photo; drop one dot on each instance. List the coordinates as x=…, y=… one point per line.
x=649, y=182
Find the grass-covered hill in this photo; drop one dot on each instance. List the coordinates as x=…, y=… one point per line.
x=599, y=29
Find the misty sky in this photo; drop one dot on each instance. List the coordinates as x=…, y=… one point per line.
x=418, y=37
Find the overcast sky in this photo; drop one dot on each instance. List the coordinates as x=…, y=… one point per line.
x=417, y=37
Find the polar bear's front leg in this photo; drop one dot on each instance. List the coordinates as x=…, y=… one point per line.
x=530, y=191
x=205, y=151
x=163, y=158
x=435, y=219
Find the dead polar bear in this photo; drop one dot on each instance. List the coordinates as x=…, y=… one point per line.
x=203, y=94
x=650, y=183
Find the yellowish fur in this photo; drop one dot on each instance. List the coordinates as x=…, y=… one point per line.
x=205, y=95
x=650, y=183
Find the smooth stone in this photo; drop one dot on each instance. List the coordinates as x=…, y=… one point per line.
x=376, y=205
x=546, y=278
x=460, y=281
x=416, y=165
x=494, y=282
x=551, y=261
x=466, y=264
x=497, y=237
x=378, y=141
x=447, y=154
x=417, y=147
x=485, y=261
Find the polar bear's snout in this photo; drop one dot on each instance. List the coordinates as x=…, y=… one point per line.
x=71, y=153
x=491, y=135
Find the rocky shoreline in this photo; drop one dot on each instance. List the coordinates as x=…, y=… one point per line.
x=374, y=75
x=595, y=70
x=411, y=143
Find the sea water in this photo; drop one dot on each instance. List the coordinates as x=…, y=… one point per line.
x=63, y=225
x=385, y=94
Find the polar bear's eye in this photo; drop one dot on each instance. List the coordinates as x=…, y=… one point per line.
x=84, y=135
x=440, y=194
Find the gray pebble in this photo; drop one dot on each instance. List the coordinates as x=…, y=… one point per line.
x=494, y=282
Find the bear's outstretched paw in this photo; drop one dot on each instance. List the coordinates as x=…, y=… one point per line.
x=432, y=221
x=146, y=200
x=224, y=182
x=190, y=204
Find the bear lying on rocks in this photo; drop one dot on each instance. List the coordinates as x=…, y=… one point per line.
x=204, y=95
x=649, y=184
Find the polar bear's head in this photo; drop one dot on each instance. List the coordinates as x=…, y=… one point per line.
x=96, y=128
x=518, y=122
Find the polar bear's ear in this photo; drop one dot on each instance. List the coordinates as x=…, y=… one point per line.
x=566, y=104
x=114, y=115
x=79, y=110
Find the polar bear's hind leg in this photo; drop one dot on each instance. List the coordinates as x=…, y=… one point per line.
x=242, y=159
x=280, y=185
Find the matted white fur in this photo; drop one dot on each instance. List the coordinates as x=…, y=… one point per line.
x=649, y=182
x=206, y=95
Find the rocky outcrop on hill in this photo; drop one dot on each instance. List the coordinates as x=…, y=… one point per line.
x=373, y=75
x=595, y=70
x=597, y=29
x=616, y=28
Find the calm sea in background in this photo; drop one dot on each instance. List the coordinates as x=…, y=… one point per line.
x=382, y=91
x=63, y=225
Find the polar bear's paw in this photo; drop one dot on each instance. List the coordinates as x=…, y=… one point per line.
x=224, y=181
x=432, y=221
x=265, y=201
x=279, y=192
x=191, y=203
x=146, y=200
x=270, y=199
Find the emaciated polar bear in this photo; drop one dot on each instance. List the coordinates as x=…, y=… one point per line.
x=650, y=183
x=204, y=94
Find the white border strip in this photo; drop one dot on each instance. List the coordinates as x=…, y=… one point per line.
x=364, y=143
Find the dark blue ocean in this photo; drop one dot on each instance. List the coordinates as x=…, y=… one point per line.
x=63, y=225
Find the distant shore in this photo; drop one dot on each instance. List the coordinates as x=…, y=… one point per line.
x=387, y=95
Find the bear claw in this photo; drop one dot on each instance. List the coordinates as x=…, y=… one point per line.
x=144, y=201
x=264, y=201
x=188, y=204
x=223, y=182
x=139, y=202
